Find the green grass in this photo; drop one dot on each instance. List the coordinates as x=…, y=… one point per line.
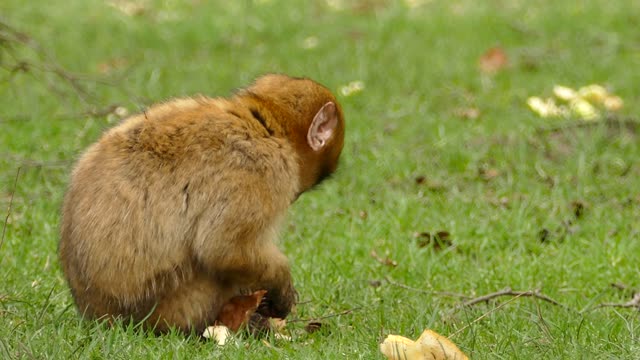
x=419, y=67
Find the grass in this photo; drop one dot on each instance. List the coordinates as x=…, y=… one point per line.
x=507, y=192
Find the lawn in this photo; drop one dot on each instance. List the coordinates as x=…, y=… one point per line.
x=547, y=207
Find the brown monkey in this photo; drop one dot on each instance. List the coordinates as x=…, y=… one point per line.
x=174, y=211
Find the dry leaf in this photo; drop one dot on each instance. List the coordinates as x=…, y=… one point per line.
x=440, y=239
x=493, y=60
x=578, y=208
x=312, y=326
x=386, y=261
x=109, y=66
x=471, y=113
x=488, y=173
x=129, y=8
x=544, y=235
x=239, y=309
x=429, y=346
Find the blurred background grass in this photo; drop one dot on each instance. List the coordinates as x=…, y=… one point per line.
x=433, y=144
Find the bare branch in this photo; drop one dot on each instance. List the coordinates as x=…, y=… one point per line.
x=611, y=121
x=508, y=292
x=6, y=219
x=42, y=66
x=633, y=303
x=483, y=316
x=90, y=113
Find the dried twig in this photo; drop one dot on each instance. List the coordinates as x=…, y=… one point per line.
x=508, y=292
x=6, y=219
x=346, y=312
x=619, y=286
x=610, y=122
x=9, y=38
x=423, y=291
x=90, y=113
x=26, y=163
x=41, y=65
x=386, y=261
x=484, y=315
x=633, y=303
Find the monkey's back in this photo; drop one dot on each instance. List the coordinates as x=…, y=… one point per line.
x=160, y=190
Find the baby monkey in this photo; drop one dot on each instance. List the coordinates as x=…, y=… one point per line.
x=175, y=211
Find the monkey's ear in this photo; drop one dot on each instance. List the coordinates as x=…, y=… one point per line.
x=323, y=126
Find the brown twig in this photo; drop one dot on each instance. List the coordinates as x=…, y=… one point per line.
x=31, y=163
x=46, y=64
x=41, y=65
x=384, y=261
x=91, y=113
x=633, y=303
x=423, y=291
x=610, y=121
x=6, y=219
x=619, y=286
x=345, y=312
x=484, y=315
x=508, y=292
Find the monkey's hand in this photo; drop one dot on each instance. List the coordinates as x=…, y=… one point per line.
x=278, y=302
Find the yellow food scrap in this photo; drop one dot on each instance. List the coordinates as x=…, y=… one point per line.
x=429, y=346
x=613, y=103
x=564, y=93
x=593, y=93
x=583, y=109
x=544, y=108
x=219, y=333
x=585, y=103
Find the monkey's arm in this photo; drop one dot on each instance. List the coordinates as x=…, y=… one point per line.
x=235, y=238
x=281, y=295
x=250, y=263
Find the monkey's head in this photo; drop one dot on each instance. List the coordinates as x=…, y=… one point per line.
x=308, y=115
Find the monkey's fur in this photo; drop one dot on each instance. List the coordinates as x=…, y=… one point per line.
x=174, y=211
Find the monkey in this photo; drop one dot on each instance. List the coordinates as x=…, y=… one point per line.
x=176, y=210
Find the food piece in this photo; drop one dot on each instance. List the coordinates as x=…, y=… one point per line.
x=613, y=103
x=429, y=346
x=564, y=93
x=395, y=347
x=595, y=94
x=583, y=109
x=219, y=333
x=239, y=309
x=242, y=310
x=544, y=108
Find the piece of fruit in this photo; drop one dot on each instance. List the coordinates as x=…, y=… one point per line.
x=219, y=333
x=429, y=346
